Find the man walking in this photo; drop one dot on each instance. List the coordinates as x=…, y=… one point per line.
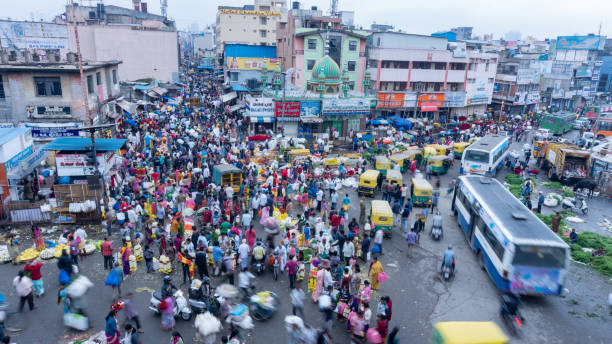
x=297, y=300
x=540, y=202
x=292, y=268
x=106, y=247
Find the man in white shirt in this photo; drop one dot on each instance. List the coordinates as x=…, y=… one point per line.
x=319, y=199
x=23, y=288
x=378, y=239
x=229, y=192
x=243, y=250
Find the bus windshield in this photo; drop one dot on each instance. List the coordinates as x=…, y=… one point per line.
x=476, y=156
x=539, y=256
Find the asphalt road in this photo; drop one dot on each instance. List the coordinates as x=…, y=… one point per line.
x=420, y=297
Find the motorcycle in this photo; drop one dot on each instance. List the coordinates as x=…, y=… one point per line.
x=575, y=204
x=259, y=265
x=510, y=313
x=181, y=306
x=436, y=232
x=447, y=272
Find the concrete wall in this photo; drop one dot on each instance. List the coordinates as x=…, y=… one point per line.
x=144, y=53
x=309, y=54
x=393, y=40
x=245, y=29
x=348, y=55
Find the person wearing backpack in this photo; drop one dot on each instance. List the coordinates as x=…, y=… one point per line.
x=131, y=335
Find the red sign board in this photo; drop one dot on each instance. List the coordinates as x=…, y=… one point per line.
x=287, y=109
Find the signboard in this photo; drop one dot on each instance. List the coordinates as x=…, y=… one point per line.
x=432, y=98
x=527, y=76
x=260, y=107
x=454, y=99
x=532, y=98
x=580, y=42
x=410, y=99
x=478, y=99
x=344, y=107
x=252, y=63
x=390, y=100
x=249, y=12
x=32, y=35
x=543, y=67
x=14, y=161
x=584, y=71
x=78, y=164
x=310, y=108
x=287, y=109
x=526, y=98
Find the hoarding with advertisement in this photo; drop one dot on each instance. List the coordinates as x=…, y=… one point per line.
x=252, y=63
x=339, y=107
x=584, y=71
x=259, y=107
x=78, y=164
x=310, y=108
x=454, y=99
x=410, y=99
x=526, y=98
x=287, y=109
x=390, y=100
x=580, y=42
x=431, y=98
x=32, y=35
x=478, y=99
x=527, y=76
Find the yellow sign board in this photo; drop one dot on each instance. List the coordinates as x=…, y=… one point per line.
x=249, y=12
x=252, y=63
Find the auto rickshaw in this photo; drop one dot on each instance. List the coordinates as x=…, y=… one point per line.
x=331, y=161
x=295, y=153
x=421, y=192
x=468, y=332
x=439, y=164
x=382, y=164
x=458, y=148
x=382, y=216
x=440, y=149
x=226, y=174
x=401, y=160
x=368, y=182
x=395, y=177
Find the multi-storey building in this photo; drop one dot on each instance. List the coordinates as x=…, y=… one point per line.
x=250, y=24
x=517, y=84
x=417, y=75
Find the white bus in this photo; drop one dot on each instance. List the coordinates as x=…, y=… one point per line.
x=485, y=156
x=519, y=252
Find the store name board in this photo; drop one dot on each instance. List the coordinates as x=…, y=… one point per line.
x=260, y=107
x=478, y=100
x=454, y=99
x=14, y=161
x=345, y=107
x=432, y=99
x=287, y=109
x=53, y=110
x=79, y=164
x=390, y=100
x=249, y=12
x=53, y=132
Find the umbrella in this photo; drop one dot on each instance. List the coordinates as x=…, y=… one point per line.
x=373, y=336
x=227, y=290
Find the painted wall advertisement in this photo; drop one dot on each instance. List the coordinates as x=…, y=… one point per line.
x=32, y=35
x=259, y=107
x=309, y=108
x=78, y=164
x=432, y=98
x=390, y=100
x=341, y=107
x=252, y=63
x=287, y=109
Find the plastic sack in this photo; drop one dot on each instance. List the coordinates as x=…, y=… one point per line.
x=76, y=321
x=64, y=278
x=112, y=279
x=382, y=276
x=324, y=302
x=376, y=248
x=79, y=287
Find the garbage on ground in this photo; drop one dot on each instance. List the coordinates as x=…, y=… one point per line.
x=574, y=219
x=552, y=200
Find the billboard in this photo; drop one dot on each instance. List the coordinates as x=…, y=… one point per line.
x=526, y=98
x=390, y=100
x=310, y=108
x=580, y=42
x=32, y=35
x=454, y=99
x=349, y=106
x=78, y=164
x=287, y=109
x=431, y=98
x=259, y=107
x=252, y=63
x=527, y=76
x=584, y=71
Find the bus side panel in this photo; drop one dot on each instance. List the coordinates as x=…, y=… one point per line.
x=462, y=219
x=501, y=283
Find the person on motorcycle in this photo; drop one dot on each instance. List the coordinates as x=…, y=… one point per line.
x=259, y=252
x=449, y=258
x=437, y=220
x=244, y=282
x=510, y=303
x=167, y=288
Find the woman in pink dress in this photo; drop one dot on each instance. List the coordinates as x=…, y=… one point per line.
x=319, y=286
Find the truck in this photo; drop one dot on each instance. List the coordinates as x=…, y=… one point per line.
x=565, y=162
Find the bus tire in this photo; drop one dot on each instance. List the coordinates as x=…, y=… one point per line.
x=481, y=262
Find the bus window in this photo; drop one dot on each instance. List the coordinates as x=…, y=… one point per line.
x=477, y=156
x=539, y=256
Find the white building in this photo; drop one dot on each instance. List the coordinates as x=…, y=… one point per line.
x=428, y=76
x=250, y=24
x=204, y=44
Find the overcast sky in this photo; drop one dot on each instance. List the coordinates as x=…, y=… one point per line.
x=539, y=18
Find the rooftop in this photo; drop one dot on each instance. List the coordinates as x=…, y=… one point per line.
x=56, y=67
x=7, y=134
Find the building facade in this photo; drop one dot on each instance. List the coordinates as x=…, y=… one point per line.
x=245, y=65
x=517, y=85
x=250, y=24
x=416, y=75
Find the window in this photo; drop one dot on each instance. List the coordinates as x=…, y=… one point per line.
x=352, y=45
x=351, y=85
x=90, y=85
x=491, y=239
x=2, y=95
x=440, y=65
x=98, y=79
x=234, y=76
x=378, y=42
x=114, y=76
x=263, y=21
x=351, y=66
x=312, y=43
x=50, y=86
x=262, y=33
x=539, y=256
x=310, y=64
x=471, y=80
x=490, y=80
x=487, y=67
x=477, y=156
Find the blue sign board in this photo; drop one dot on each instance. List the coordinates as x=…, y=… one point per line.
x=54, y=132
x=12, y=162
x=580, y=42
x=310, y=108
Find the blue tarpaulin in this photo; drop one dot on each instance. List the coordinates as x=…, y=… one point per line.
x=141, y=87
x=84, y=144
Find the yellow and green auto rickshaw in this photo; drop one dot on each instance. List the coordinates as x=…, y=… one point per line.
x=395, y=177
x=439, y=164
x=468, y=332
x=368, y=182
x=226, y=174
x=296, y=154
x=440, y=149
x=382, y=164
x=458, y=148
x=401, y=160
x=421, y=192
x=382, y=216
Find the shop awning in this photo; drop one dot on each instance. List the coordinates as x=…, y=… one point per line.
x=236, y=108
x=311, y=119
x=262, y=119
x=27, y=165
x=288, y=119
x=227, y=97
x=159, y=90
x=127, y=106
x=425, y=107
x=152, y=94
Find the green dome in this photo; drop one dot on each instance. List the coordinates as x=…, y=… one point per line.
x=326, y=70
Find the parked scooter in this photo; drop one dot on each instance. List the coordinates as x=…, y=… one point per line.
x=575, y=204
x=181, y=306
